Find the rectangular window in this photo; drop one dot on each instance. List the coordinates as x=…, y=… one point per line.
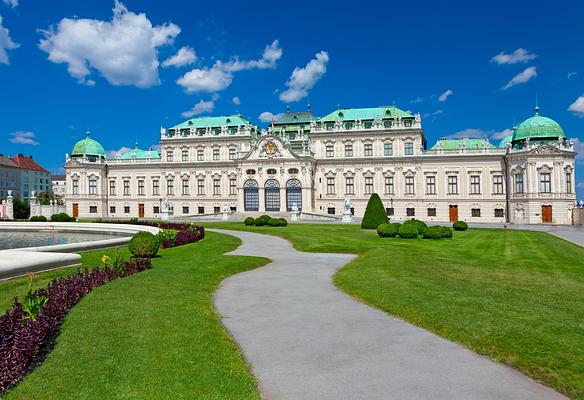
x=389, y=185
x=185, y=209
x=409, y=185
x=409, y=149
x=170, y=187
x=348, y=149
x=112, y=188
x=93, y=186
x=431, y=212
x=350, y=187
x=232, y=153
x=497, y=184
x=388, y=149
x=368, y=185
x=475, y=184
x=112, y=209
x=330, y=185
x=126, y=209
x=200, y=155
x=216, y=186
x=200, y=186
x=201, y=210
x=545, y=182
x=93, y=209
x=430, y=185
x=156, y=210
x=475, y=212
x=185, y=155
x=126, y=188
x=411, y=212
x=330, y=152
x=390, y=211
x=155, y=187
x=499, y=213
x=232, y=186
x=519, y=183
x=141, y=187
x=568, y=182
x=215, y=154
x=216, y=210
x=185, y=187
x=169, y=155
x=331, y=210
x=368, y=149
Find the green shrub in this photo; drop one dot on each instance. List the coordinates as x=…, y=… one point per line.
x=419, y=224
x=375, y=214
x=460, y=226
x=62, y=217
x=408, y=231
x=388, y=230
x=278, y=222
x=446, y=232
x=433, y=232
x=38, y=218
x=144, y=244
x=249, y=221
x=167, y=237
x=263, y=220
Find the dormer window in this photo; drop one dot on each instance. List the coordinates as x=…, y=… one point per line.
x=190, y=122
x=387, y=124
x=387, y=112
x=341, y=115
x=228, y=121
x=368, y=124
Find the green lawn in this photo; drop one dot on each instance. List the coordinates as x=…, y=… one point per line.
x=154, y=335
x=515, y=296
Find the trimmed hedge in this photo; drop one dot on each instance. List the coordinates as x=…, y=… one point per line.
x=277, y=222
x=62, y=217
x=420, y=225
x=437, y=232
x=144, y=244
x=38, y=218
x=249, y=221
x=374, y=213
x=388, y=230
x=447, y=232
x=408, y=231
x=460, y=226
x=263, y=220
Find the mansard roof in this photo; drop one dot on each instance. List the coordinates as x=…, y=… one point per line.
x=303, y=117
x=139, y=154
x=213, y=122
x=464, y=143
x=352, y=114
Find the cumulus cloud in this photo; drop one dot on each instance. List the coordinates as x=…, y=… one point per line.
x=579, y=149
x=571, y=75
x=6, y=43
x=267, y=116
x=123, y=50
x=184, y=56
x=236, y=100
x=523, y=77
x=501, y=134
x=444, y=96
x=21, y=137
x=11, y=3
x=518, y=56
x=200, y=108
x=112, y=154
x=220, y=75
x=475, y=133
x=417, y=100
x=304, y=79
x=433, y=114
x=577, y=107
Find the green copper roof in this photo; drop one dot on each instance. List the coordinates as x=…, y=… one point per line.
x=352, y=114
x=213, y=122
x=295, y=118
x=139, y=154
x=465, y=143
x=538, y=127
x=88, y=147
x=507, y=139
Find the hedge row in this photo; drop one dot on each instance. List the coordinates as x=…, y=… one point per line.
x=61, y=217
x=265, y=220
x=412, y=229
x=23, y=340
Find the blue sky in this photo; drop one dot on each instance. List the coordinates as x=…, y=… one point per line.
x=71, y=66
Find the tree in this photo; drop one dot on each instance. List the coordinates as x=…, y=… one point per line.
x=374, y=213
x=21, y=209
x=46, y=197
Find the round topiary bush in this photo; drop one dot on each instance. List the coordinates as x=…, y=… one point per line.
x=419, y=224
x=62, y=217
x=460, y=226
x=374, y=213
x=446, y=232
x=38, y=218
x=263, y=220
x=433, y=232
x=408, y=231
x=282, y=222
x=387, y=230
x=144, y=244
x=249, y=221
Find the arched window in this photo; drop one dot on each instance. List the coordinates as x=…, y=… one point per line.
x=251, y=197
x=250, y=183
x=272, y=195
x=272, y=183
x=293, y=194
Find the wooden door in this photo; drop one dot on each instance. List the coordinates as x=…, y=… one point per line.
x=75, y=210
x=546, y=214
x=453, y=213
x=140, y=210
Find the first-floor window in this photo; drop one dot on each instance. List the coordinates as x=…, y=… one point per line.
x=389, y=185
x=545, y=182
x=126, y=187
x=388, y=149
x=368, y=149
x=112, y=209
x=156, y=210
x=568, y=182
x=201, y=210
x=155, y=187
x=390, y=211
x=409, y=185
x=232, y=153
x=475, y=184
x=185, y=209
x=232, y=186
x=185, y=186
x=75, y=186
x=169, y=155
x=349, y=150
x=330, y=152
x=140, y=187
x=409, y=149
x=431, y=212
x=430, y=185
x=475, y=212
x=93, y=209
x=410, y=212
x=519, y=183
x=215, y=154
x=216, y=186
x=499, y=213
x=112, y=188
x=330, y=185
x=127, y=209
x=200, y=186
x=368, y=185
x=170, y=187
x=93, y=186
x=498, y=184
x=185, y=155
x=200, y=155
x=350, y=187
x=452, y=184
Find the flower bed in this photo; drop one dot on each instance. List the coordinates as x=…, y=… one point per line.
x=186, y=232
x=24, y=339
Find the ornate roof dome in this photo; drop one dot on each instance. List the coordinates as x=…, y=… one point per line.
x=538, y=127
x=139, y=154
x=507, y=139
x=88, y=147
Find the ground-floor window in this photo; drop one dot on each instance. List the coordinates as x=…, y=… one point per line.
x=352, y=210
x=331, y=210
x=431, y=212
x=127, y=209
x=201, y=210
x=390, y=211
x=216, y=210
x=499, y=213
x=156, y=209
x=475, y=212
x=410, y=212
x=93, y=209
x=112, y=209
x=185, y=209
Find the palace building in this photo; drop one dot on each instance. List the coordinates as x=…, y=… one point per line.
x=302, y=161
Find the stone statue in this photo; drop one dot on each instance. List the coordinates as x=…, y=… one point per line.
x=67, y=158
x=294, y=207
x=162, y=131
x=166, y=204
x=338, y=123
x=377, y=121
x=225, y=207
x=312, y=125
x=347, y=205
x=398, y=120
x=418, y=118
x=358, y=123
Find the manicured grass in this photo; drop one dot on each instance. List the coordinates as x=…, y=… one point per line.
x=514, y=296
x=154, y=335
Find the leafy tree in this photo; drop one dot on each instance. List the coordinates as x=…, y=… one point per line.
x=46, y=197
x=374, y=213
x=21, y=208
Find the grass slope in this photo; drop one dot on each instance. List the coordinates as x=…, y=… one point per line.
x=515, y=296
x=154, y=335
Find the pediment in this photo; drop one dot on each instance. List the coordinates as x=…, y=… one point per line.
x=545, y=149
x=270, y=147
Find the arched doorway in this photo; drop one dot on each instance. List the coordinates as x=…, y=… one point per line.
x=293, y=194
x=272, y=195
x=251, y=196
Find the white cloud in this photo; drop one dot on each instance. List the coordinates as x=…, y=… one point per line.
x=184, y=56
x=304, y=79
x=11, y=3
x=518, y=56
x=220, y=75
x=501, y=134
x=579, y=149
x=417, y=100
x=571, y=75
x=577, y=107
x=200, y=108
x=6, y=43
x=444, y=96
x=526, y=75
x=112, y=154
x=433, y=114
x=267, y=116
x=236, y=100
x=21, y=137
x=476, y=133
x=123, y=50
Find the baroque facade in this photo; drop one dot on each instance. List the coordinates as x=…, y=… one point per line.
x=208, y=163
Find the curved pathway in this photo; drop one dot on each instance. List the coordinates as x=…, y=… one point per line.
x=307, y=340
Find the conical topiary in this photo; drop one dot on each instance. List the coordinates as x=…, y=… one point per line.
x=374, y=213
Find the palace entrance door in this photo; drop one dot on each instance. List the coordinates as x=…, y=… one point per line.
x=141, y=210
x=75, y=210
x=546, y=214
x=453, y=213
x=293, y=194
x=251, y=196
